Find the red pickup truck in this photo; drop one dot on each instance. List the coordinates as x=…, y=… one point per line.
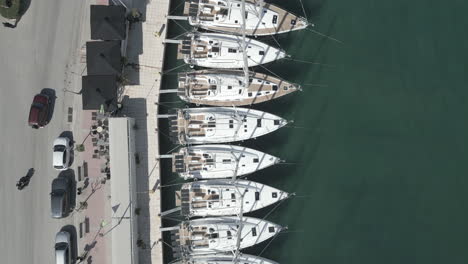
x=39, y=112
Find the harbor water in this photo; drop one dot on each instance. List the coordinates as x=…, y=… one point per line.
x=378, y=151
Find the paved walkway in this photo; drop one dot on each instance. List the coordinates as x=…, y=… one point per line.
x=96, y=218
x=145, y=47
x=140, y=103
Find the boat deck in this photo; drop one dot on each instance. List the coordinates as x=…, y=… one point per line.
x=193, y=127
x=267, y=88
x=189, y=162
x=286, y=21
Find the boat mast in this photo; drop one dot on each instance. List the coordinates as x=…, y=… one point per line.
x=244, y=47
x=241, y=211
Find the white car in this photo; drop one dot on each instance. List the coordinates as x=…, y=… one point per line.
x=61, y=155
x=63, y=248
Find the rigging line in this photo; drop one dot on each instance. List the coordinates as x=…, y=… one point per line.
x=278, y=204
x=162, y=133
x=270, y=71
x=167, y=244
x=162, y=104
x=173, y=149
x=296, y=127
x=170, y=185
x=175, y=8
x=177, y=23
x=303, y=10
x=325, y=36
x=171, y=218
x=171, y=102
x=176, y=37
x=173, y=73
x=277, y=43
x=296, y=231
x=317, y=85
x=311, y=62
x=175, y=68
x=267, y=245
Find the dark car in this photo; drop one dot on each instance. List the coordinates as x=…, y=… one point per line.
x=60, y=197
x=39, y=112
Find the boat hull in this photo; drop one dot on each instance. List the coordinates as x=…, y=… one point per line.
x=225, y=259
x=221, y=51
x=228, y=161
x=262, y=88
x=226, y=197
x=220, y=234
x=211, y=125
x=286, y=21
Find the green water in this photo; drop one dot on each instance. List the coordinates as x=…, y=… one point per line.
x=380, y=149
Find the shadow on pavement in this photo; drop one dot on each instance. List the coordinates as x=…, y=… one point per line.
x=135, y=44
x=52, y=95
x=67, y=134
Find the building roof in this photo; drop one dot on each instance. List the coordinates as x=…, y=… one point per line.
x=123, y=190
x=99, y=90
x=104, y=57
x=108, y=22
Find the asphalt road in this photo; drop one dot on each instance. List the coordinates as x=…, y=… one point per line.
x=33, y=56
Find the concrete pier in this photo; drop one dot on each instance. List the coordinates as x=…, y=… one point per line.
x=140, y=98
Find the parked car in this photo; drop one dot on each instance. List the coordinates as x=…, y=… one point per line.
x=61, y=154
x=60, y=197
x=39, y=112
x=63, y=249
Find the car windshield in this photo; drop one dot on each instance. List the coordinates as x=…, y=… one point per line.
x=58, y=193
x=38, y=105
x=61, y=246
x=59, y=148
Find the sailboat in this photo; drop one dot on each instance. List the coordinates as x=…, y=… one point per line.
x=228, y=87
x=226, y=16
x=213, y=50
x=220, y=234
x=221, y=125
x=224, y=259
x=225, y=197
x=219, y=161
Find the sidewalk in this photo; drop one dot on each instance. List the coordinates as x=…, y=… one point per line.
x=145, y=48
x=95, y=218
x=140, y=103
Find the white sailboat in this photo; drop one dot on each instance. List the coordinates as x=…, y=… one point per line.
x=221, y=125
x=227, y=15
x=225, y=197
x=213, y=50
x=220, y=234
x=219, y=161
x=224, y=259
x=228, y=87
